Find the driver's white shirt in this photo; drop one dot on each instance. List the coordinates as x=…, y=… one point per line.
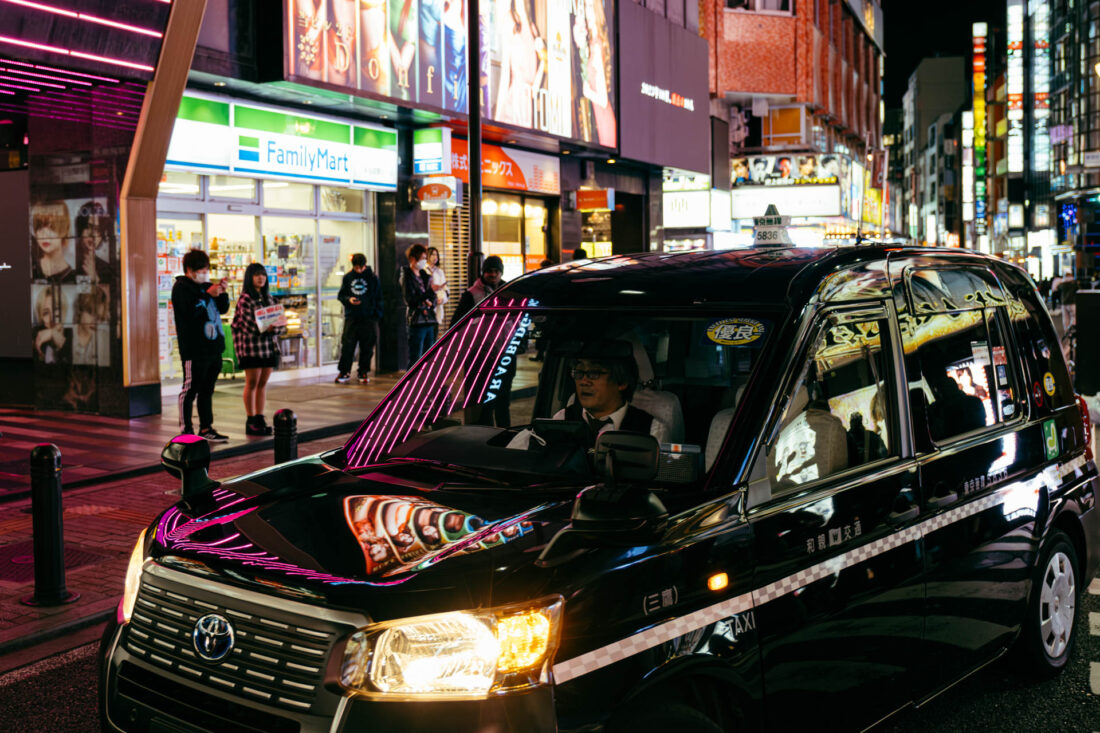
x=657, y=429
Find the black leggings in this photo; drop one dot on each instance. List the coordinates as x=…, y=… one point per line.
x=199, y=377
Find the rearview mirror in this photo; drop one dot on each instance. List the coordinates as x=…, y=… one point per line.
x=625, y=457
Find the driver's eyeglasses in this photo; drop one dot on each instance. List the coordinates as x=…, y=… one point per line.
x=592, y=374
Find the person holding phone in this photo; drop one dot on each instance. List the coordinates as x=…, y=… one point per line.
x=257, y=345
x=361, y=294
x=197, y=305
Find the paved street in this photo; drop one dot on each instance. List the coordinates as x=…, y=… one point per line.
x=58, y=694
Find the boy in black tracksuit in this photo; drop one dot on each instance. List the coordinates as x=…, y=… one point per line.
x=197, y=306
x=361, y=294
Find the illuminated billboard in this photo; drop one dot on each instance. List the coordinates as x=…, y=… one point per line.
x=1015, y=82
x=980, y=30
x=787, y=170
x=1040, y=85
x=545, y=66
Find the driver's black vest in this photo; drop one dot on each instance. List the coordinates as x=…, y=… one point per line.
x=635, y=420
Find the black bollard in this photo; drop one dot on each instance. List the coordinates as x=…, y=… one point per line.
x=286, y=436
x=49, y=541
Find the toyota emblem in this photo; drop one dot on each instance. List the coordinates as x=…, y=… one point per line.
x=213, y=637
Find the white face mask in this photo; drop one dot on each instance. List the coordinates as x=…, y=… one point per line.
x=202, y=277
x=422, y=264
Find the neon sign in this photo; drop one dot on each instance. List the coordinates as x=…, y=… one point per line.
x=979, y=35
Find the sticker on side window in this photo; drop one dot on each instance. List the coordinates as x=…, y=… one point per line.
x=735, y=331
x=1048, y=384
x=1050, y=439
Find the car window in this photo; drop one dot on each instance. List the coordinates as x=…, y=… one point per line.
x=960, y=376
x=840, y=414
x=508, y=389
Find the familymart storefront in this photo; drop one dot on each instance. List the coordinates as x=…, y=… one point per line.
x=251, y=183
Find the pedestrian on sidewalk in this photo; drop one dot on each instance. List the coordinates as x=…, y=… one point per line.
x=197, y=305
x=491, y=271
x=361, y=294
x=420, y=302
x=439, y=285
x=255, y=338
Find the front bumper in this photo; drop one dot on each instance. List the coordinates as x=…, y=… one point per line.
x=136, y=696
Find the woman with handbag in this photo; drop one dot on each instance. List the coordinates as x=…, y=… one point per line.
x=439, y=285
x=420, y=302
x=256, y=327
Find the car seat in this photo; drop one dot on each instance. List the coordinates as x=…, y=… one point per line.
x=808, y=428
x=665, y=406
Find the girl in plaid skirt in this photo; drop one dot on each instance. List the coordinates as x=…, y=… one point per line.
x=257, y=351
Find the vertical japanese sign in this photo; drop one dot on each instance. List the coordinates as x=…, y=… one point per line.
x=1015, y=80
x=979, y=36
x=968, y=168
x=1040, y=85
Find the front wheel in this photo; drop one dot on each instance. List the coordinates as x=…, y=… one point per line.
x=1050, y=628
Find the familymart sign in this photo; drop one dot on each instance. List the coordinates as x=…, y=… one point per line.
x=215, y=135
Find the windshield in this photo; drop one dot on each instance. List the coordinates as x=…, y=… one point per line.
x=528, y=391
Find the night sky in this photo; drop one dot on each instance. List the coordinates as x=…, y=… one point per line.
x=916, y=29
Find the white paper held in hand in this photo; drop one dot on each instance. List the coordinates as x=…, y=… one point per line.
x=267, y=316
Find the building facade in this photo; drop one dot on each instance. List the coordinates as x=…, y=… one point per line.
x=801, y=84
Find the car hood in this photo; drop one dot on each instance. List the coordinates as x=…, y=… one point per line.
x=311, y=532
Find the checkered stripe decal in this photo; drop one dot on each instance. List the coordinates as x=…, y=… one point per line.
x=669, y=630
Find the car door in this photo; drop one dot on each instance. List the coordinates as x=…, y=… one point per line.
x=979, y=485
x=839, y=588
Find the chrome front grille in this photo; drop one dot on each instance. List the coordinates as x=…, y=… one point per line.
x=278, y=658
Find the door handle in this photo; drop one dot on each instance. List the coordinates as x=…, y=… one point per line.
x=939, y=502
x=903, y=515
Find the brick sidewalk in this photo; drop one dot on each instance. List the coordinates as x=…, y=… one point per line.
x=101, y=524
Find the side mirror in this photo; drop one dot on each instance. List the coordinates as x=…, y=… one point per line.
x=187, y=457
x=619, y=513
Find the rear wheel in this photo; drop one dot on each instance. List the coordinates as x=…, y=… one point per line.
x=1050, y=628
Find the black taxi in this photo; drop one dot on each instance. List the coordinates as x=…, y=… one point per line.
x=693, y=491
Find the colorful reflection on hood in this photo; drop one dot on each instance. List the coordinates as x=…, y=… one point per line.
x=401, y=533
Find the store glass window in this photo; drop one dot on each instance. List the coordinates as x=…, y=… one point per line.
x=180, y=184
x=343, y=200
x=288, y=196
x=288, y=254
x=232, y=187
x=232, y=248
x=534, y=234
x=502, y=218
x=596, y=233
x=339, y=240
x=175, y=236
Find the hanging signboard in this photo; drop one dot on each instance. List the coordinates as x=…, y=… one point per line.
x=216, y=134
x=507, y=168
x=432, y=151
x=598, y=199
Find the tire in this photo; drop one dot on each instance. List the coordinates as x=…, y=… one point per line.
x=1050, y=629
x=665, y=717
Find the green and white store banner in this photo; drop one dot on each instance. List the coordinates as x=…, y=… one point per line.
x=214, y=134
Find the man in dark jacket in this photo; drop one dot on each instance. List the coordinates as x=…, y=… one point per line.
x=491, y=271
x=361, y=294
x=197, y=306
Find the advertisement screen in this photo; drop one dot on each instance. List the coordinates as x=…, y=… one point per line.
x=546, y=65
x=664, y=99
x=784, y=170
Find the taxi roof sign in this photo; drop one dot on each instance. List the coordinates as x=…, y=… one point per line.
x=770, y=230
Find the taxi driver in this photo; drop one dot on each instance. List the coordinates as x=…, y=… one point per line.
x=605, y=376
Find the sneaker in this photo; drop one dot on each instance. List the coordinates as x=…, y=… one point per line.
x=343, y=378
x=364, y=379
x=213, y=436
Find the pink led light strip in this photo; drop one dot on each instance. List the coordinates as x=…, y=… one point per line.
x=76, y=54
x=7, y=70
x=85, y=17
x=57, y=70
x=373, y=440
x=500, y=352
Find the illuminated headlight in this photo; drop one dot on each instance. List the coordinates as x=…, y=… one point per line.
x=133, y=579
x=465, y=654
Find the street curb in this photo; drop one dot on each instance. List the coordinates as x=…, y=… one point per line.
x=229, y=452
x=55, y=632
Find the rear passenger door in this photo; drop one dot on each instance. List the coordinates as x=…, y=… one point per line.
x=839, y=587
x=977, y=505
